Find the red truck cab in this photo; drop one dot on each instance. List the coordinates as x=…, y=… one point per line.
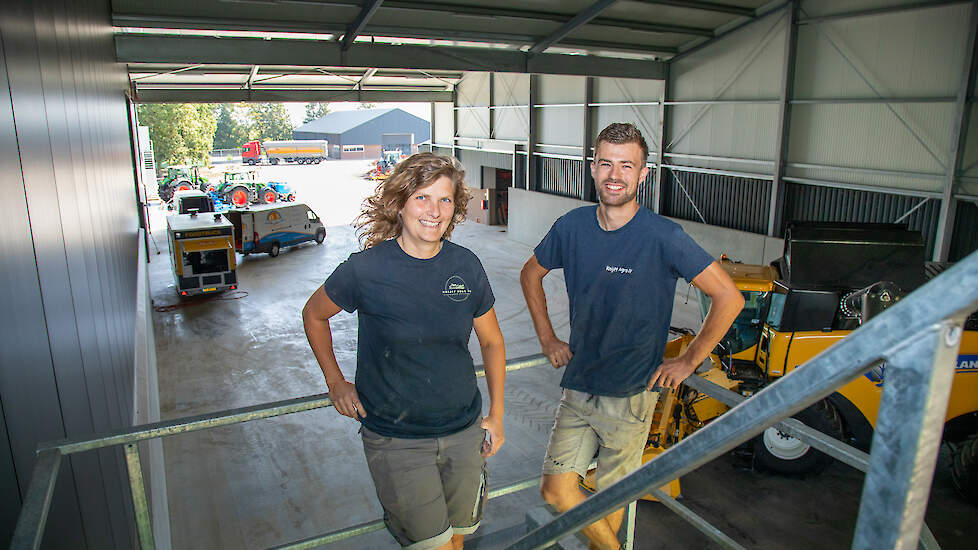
x=251, y=152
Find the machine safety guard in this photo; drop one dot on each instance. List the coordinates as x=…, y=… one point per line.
x=917, y=338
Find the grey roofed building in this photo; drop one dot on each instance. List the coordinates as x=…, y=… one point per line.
x=367, y=133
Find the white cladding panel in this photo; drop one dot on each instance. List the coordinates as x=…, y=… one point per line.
x=472, y=95
x=513, y=91
x=746, y=64
x=916, y=53
x=738, y=131
x=444, y=129
x=560, y=126
x=626, y=90
x=872, y=136
x=817, y=8
x=644, y=117
x=560, y=89
x=969, y=157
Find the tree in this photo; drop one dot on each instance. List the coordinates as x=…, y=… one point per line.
x=270, y=121
x=315, y=111
x=365, y=106
x=233, y=126
x=181, y=132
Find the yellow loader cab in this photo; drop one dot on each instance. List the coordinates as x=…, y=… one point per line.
x=755, y=282
x=201, y=253
x=833, y=279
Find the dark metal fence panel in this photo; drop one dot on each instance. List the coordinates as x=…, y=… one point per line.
x=725, y=201
x=560, y=176
x=646, y=188
x=964, y=240
x=472, y=159
x=831, y=204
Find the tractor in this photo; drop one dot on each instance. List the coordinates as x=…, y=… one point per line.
x=242, y=188
x=181, y=178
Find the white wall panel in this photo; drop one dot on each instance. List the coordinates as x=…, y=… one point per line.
x=473, y=91
x=916, y=53
x=738, y=131
x=560, y=89
x=511, y=90
x=621, y=90
x=561, y=126
x=444, y=123
x=745, y=65
x=816, y=8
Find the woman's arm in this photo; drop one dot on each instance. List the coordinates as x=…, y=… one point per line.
x=494, y=359
x=315, y=319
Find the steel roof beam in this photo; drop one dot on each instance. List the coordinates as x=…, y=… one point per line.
x=241, y=51
x=368, y=11
x=703, y=6
x=578, y=20
x=226, y=95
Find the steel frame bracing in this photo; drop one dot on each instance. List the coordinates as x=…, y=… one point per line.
x=784, y=119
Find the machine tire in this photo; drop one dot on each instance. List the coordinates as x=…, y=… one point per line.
x=183, y=185
x=273, y=161
x=238, y=196
x=320, y=236
x=317, y=161
x=777, y=453
x=273, y=251
x=964, y=469
x=268, y=195
x=251, y=162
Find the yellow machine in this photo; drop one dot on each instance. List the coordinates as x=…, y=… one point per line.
x=201, y=253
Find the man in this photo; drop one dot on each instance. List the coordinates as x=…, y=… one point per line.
x=621, y=263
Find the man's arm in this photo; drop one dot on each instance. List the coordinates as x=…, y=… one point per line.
x=494, y=358
x=315, y=320
x=531, y=279
x=725, y=303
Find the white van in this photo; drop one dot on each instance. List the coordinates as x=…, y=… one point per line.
x=270, y=227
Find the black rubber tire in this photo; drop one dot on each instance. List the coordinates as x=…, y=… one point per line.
x=273, y=251
x=273, y=161
x=964, y=469
x=251, y=162
x=317, y=161
x=804, y=460
x=320, y=236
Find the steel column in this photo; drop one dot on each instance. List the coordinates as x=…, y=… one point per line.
x=784, y=119
x=492, y=101
x=587, y=191
x=660, y=147
x=907, y=438
x=531, y=135
x=959, y=134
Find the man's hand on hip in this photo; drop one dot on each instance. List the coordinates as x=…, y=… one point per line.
x=672, y=372
x=557, y=351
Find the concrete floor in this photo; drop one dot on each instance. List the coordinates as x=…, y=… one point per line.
x=269, y=482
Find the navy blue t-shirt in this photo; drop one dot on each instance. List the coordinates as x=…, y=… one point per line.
x=415, y=375
x=620, y=285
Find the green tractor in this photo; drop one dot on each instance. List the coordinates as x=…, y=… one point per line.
x=241, y=188
x=181, y=178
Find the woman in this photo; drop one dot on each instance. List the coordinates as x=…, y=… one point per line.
x=418, y=297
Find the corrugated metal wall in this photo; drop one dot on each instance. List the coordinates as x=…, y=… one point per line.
x=965, y=239
x=829, y=204
x=735, y=203
x=68, y=239
x=473, y=161
x=511, y=91
x=472, y=96
x=562, y=177
x=444, y=124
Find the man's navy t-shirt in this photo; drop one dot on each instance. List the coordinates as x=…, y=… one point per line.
x=621, y=286
x=415, y=376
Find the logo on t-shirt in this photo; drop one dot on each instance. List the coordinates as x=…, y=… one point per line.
x=618, y=269
x=456, y=290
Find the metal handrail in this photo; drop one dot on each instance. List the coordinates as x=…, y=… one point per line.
x=33, y=515
x=917, y=339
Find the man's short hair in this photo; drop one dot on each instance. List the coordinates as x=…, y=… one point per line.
x=621, y=133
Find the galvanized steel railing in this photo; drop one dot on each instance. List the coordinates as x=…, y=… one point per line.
x=917, y=339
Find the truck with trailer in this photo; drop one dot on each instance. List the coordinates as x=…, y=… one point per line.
x=303, y=151
x=201, y=253
x=271, y=227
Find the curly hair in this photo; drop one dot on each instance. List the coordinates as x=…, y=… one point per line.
x=621, y=133
x=381, y=220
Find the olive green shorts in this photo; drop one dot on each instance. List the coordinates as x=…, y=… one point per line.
x=430, y=488
x=614, y=428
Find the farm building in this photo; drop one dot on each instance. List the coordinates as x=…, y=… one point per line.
x=367, y=133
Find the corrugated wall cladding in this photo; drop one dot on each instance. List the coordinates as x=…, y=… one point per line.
x=965, y=236
x=735, y=203
x=473, y=161
x=562, y=177
x=830, y=204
